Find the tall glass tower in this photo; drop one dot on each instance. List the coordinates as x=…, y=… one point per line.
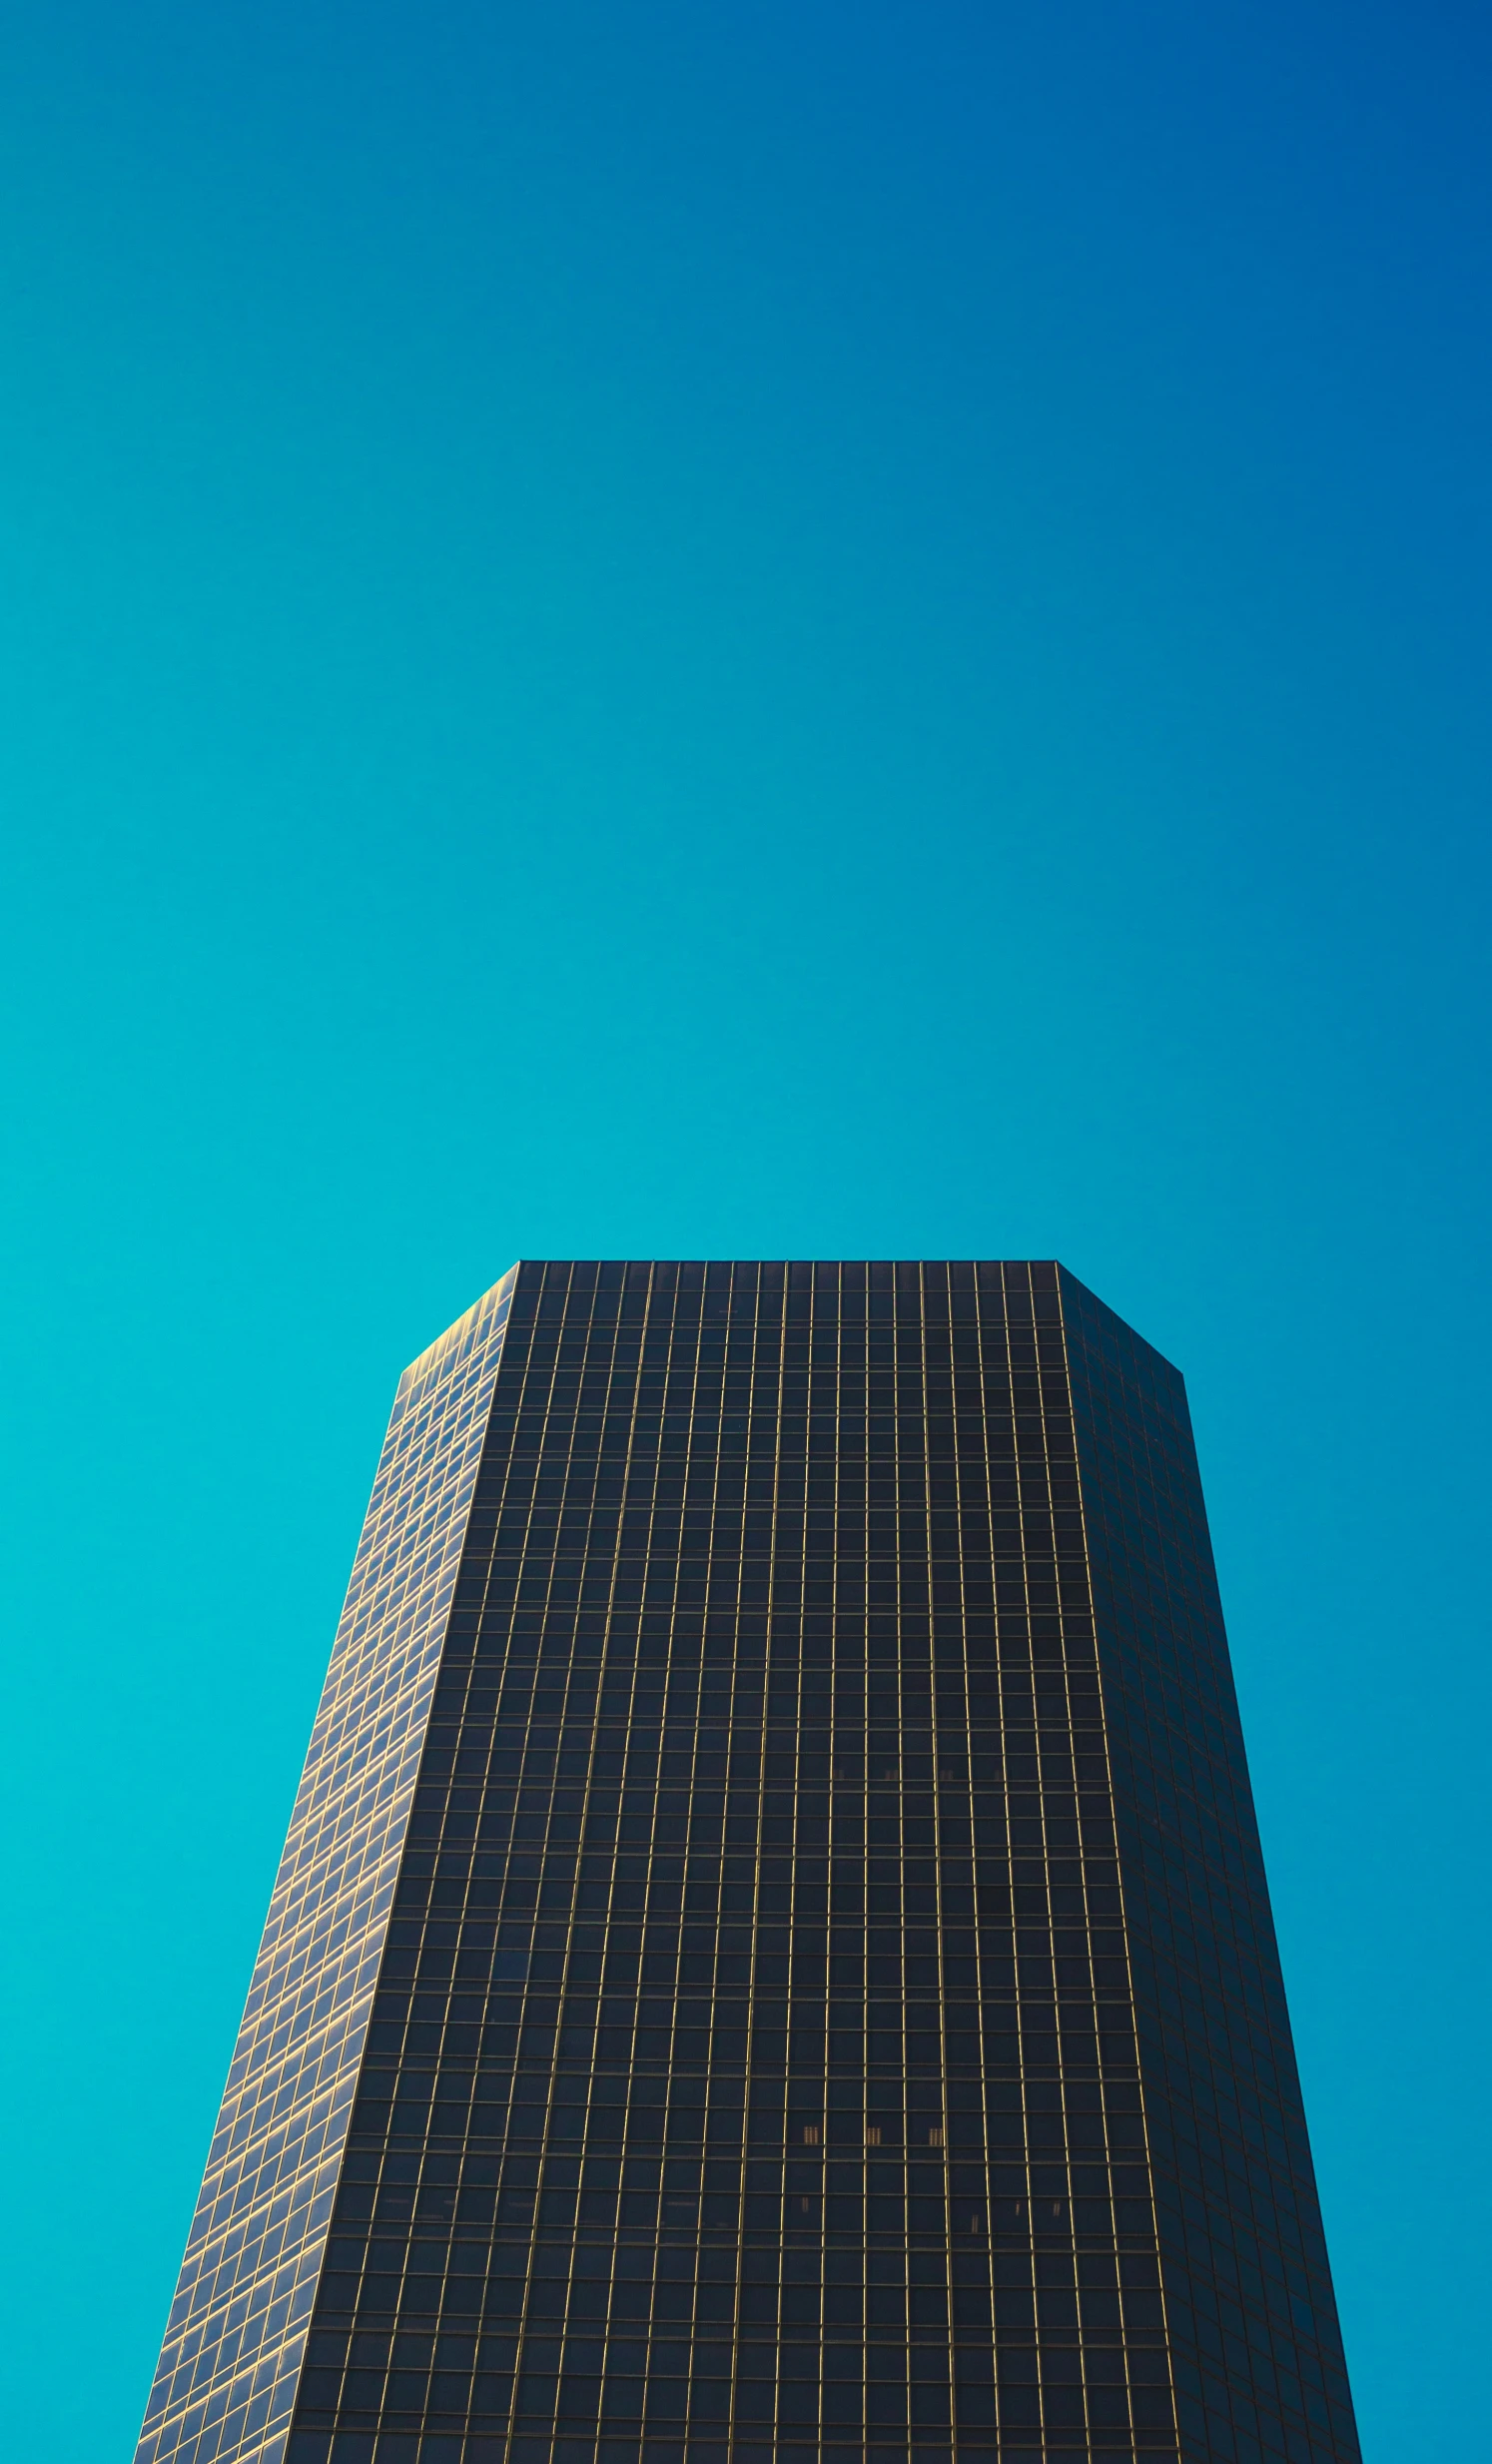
x=772, y=1957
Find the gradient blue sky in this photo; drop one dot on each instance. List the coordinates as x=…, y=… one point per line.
x=734, y=630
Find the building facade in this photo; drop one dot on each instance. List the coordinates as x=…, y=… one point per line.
x=772, y=1956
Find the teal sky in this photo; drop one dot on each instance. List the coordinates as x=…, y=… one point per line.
x=701, y=631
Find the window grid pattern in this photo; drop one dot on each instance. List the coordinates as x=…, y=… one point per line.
x=225, y=2381
x=753, y=2071
x=1258, y=2355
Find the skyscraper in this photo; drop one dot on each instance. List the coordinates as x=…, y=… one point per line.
x=772, y=1956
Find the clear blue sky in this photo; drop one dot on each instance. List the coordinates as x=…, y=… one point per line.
x=754, y=630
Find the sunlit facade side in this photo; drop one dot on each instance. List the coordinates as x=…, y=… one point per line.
x=225, y=2381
